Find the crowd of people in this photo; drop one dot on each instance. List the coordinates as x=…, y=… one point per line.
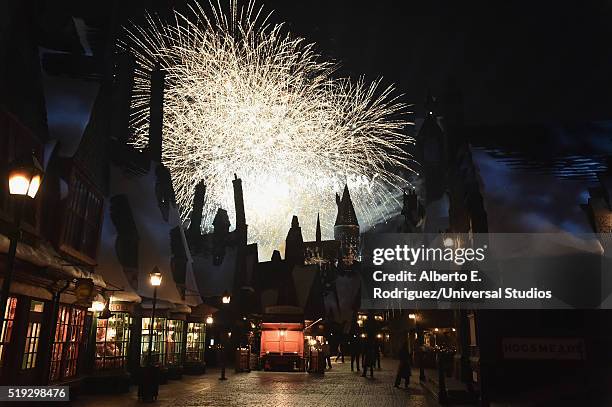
x=365, y=356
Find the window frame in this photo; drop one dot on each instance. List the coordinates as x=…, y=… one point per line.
x=67, y=343
x=174, y=347
x=8, y=325
x=159, y=339
x=200, y=342
x=120, y=359
x=88, y=221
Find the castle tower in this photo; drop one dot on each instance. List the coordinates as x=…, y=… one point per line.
x=294, y=244
x=346, y=228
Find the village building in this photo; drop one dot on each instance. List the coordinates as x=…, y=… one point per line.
x=79, y=310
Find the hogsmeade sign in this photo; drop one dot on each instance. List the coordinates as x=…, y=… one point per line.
x=543, y=348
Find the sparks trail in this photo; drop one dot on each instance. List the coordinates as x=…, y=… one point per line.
x=244, y=96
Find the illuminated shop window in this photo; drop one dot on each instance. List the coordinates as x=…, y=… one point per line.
x=174, y=342
x=113, y=341
x=196, y=341
x=66, y=343
x=158, y=350
x=32, y=339
x=7, y=326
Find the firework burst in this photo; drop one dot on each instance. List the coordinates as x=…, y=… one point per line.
x=244, y=96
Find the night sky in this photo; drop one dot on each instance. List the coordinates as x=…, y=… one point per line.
x=536, y=78
x=516, y=61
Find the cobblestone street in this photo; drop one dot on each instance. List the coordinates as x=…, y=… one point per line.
x=338, y=387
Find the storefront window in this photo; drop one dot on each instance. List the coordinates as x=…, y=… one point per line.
x=174, y=341
x=66, y=342
x=30, y=354
x=196, y=338
x=158, y=350
x=112, y=341
x=7, y=326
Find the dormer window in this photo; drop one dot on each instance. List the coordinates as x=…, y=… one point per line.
x=83, y=213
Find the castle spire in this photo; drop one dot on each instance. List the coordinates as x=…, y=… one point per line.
x=346, y=228
x=318, y=231
x=346, y=210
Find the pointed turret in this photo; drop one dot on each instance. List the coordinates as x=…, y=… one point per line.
x=346, y=228
x=318, y=231
x=346, y=210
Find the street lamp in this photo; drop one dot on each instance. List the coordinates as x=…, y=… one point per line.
x=24, y=179
x=209, y=320
x=25, y=176
x=155, y=277
x=225, y=299
x=419, y=342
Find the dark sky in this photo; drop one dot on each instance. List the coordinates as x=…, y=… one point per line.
x=518, y=64
x=516, y=61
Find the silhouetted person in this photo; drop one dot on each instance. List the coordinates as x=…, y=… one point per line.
x=404, y=368
x=327, y=354
x=369, y=359
x=340, y=352
x=378, y=354
x=355, y=352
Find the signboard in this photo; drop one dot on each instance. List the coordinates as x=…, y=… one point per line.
x=543, y=348
x=121, y=307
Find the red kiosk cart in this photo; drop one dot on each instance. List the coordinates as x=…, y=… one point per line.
x=282, y=342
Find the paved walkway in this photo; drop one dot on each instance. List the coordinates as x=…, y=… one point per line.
x=338, y=387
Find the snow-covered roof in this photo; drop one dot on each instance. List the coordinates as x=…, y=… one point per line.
x=109, y=266
x=154, y=244
x=192, y=292
x=44, y=255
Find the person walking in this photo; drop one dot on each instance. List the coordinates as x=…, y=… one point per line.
x=340, y=352
x=355, y=352
x=378, y=354
x=327, y=354
x=369, y=359
x=307, y=353
x=404, y=370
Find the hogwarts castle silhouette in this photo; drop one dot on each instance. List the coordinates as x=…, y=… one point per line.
x=315, y=277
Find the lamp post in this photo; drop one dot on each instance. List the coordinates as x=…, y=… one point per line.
x=420, y=342
x=24, y=178
x=225, y=299
x=155, y=278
